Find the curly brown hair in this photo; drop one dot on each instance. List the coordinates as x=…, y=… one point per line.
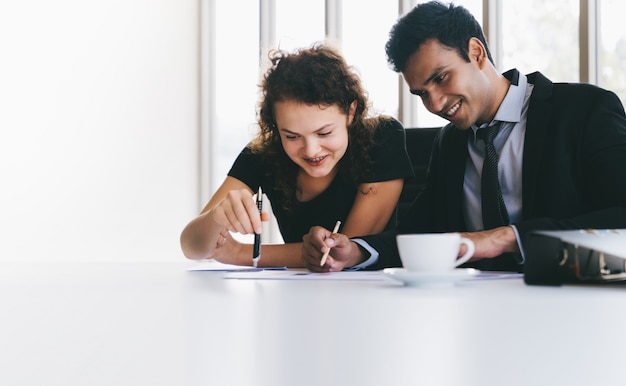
x=318, y=75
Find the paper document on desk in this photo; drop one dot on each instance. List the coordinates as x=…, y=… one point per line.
x=497, y=275
x=302, y=274
x=216, y=266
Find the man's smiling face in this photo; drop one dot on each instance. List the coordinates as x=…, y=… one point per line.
x=450, y=87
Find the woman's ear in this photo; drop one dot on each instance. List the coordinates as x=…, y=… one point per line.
x=351, y=112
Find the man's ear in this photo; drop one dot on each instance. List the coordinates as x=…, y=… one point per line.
x=477, y=52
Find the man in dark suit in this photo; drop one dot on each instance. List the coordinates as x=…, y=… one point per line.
x=561, y=149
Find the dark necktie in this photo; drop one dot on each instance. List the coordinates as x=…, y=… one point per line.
x=494, y=210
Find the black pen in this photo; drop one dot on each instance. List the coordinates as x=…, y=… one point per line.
x=256, y=251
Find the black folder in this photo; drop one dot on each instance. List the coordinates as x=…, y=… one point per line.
x=576, y=256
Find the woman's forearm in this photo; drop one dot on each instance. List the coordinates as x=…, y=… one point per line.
x=199, y=237
x=280, y=255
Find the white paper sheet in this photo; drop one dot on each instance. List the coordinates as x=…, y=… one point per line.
x=215, y=266
x=302, y=274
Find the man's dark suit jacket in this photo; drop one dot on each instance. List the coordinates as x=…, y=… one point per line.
x=573, y=171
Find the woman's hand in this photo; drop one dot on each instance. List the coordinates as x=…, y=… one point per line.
x=238, y=212
x=230, y=251
x=232, y=208
x=344, y=253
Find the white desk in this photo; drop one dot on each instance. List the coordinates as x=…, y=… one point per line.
x=157, y=324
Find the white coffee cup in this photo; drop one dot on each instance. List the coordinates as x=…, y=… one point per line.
x=433, y=252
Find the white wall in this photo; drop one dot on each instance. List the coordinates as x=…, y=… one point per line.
x=98, y=128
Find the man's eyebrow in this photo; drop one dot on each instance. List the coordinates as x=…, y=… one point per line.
x=433, y=75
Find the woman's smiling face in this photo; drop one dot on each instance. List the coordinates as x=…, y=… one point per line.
x=314, y=137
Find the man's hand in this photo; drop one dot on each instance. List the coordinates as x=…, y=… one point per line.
x=492, y=243
x=343, y=252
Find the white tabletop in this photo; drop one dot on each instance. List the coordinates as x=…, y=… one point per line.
x=158, y=324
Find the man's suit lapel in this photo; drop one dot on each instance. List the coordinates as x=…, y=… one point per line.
x=455, y=178
x=537, y=127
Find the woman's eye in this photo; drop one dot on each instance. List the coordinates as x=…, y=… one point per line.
x=325, y=133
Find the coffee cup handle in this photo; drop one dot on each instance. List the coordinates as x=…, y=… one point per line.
x=468, y=254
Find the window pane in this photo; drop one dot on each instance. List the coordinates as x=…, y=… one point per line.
x=364, y=39
x=612, y=47
x=236, y=78
x=299, y=23
x=540, y=35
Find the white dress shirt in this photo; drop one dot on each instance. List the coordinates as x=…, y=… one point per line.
x=509, y=144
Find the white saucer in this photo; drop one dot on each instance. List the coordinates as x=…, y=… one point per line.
x=430, y=279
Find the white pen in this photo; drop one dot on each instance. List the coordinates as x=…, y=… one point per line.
x=325, y=256
x=256, y=250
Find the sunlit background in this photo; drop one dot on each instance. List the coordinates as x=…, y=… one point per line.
x=119, y=118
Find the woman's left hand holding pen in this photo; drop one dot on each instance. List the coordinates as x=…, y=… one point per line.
x=344, y=253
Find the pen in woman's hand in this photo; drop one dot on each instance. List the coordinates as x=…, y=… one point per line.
x=256, y=250
x=325, y=256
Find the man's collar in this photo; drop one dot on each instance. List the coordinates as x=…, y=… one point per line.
x=513, y=76
x=510, y=110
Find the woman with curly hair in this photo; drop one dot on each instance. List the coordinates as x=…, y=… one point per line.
x=319, y=157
